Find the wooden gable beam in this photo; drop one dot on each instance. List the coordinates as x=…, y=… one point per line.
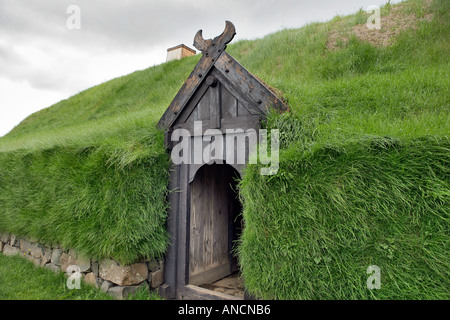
x=248, y=85
x=214, y=55
x=211, y=50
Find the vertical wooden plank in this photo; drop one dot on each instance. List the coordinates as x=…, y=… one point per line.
x=230, y=152
x=204, y=105
x=172, y=227
x=207, y=217
x=209, y=224
x=194, y=231
x=215, y=214
x=186, y=225
x=242, y=112
x=195, y=253
x=229, y=104
x=214, y=105
x=182, y=236
x=195, y=117
x=222, y=215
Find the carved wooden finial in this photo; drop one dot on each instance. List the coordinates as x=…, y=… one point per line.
x=214, y=67
x=218, y=43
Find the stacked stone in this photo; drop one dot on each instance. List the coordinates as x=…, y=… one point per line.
x=109, y=275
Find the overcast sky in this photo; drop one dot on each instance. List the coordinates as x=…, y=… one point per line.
x=43, y=61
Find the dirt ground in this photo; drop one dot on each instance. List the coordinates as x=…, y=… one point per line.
x=392, y=24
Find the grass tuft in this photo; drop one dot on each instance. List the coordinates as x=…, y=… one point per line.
x=21, y=280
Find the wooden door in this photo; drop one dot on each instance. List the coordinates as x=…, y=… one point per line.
x=212, y=214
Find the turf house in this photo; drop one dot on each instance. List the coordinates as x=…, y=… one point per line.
x=154, y=180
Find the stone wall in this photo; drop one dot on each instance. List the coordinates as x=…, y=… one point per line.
x=108, y=275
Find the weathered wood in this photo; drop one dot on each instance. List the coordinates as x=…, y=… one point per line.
x=201, y=103
x=192, y=105
x=182, y=231
x=248, y=84
x=251, y=122
x=215, y=107
x=172, y=227
x=228, y=104
x=186, y=91
x=242, y=111
x=219, y=42
x=259, y=95
x=241, y=97
x=200, y=43
x=211, y=275
x=197, y=76
x=209, y=223
x=191, y=292
x=193, y=116
x=231, y=123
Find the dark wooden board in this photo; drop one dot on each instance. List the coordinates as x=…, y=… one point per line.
x=248, y=84
x=229, y=104
x=209, y=223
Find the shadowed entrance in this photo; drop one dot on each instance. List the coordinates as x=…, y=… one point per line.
x=215, y=224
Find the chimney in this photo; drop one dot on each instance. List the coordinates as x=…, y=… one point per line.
x=179, y=52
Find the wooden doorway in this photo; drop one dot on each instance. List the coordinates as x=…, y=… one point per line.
x=215, y=224
x=224, y=96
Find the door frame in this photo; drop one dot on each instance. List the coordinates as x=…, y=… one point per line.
x=176, y=268
x=213, y=184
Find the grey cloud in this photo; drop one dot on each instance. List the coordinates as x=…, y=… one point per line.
x=10, y=56
x=132, y=26
x=139, y=24
x=106, y=25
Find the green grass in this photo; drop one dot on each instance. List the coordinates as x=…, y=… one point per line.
x=364, y=177
x=21, y=280
x=314, y=228
x=364, y=165
x=87, y=198
x=144, y=294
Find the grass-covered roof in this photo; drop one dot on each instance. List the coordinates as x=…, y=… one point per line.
x=364, y=162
